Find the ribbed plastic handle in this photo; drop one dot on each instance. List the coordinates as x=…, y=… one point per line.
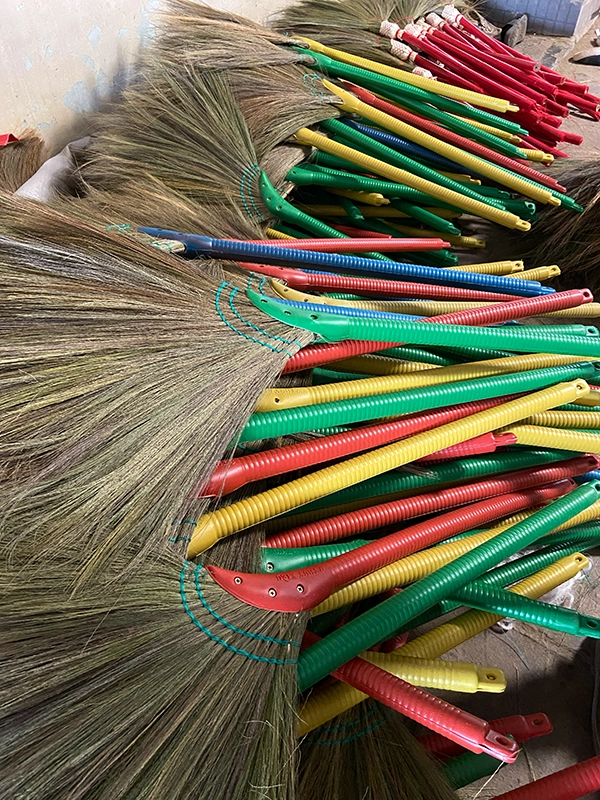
x=482, y=156
x=234, y=473
x=284, y=559
x=545, y=615
x=487, y=443
x=568, y=784
x=273, y=254
x=380, y=622
x=559, y=438
x=335, y=328
x=326, y=703
x=382, y=514
x=416, y=566
x=521, y=727
x=345, y=412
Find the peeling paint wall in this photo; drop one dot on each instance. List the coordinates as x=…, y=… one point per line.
x=61, y=58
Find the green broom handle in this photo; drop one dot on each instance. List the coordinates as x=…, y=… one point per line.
x=377, y=624
x=284, y=422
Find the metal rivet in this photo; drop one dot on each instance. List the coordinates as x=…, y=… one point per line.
x=269, y=566
x=272, y=593
x=237, y=580
x=300, y=588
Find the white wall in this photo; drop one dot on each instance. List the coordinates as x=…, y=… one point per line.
x=60, y=58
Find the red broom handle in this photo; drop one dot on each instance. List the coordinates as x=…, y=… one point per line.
x=331, y=282
x=452, y=138
x=487, y=443
x=490, y=71
x=536, y=144
x=405, y=53
x=237, y=472
x=461, y=727
x=454, y=16
x=358, y=233
x=494, y=88
x=426, y=533
x=521, y=728
x=382, y=245
x=315, y=355
x=568, y=784
x=303, y=589
x=589, y=106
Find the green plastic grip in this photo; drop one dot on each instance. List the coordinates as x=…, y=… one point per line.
x=468, y=768
x=337, y=328
x=416, y=354
x=426, y=217
x=283, y=559
x=283, y=422
x=498, y=601
x=376, y=624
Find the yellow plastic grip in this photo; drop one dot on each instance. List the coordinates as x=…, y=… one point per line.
x=557, y=438
x=471, y=162
x=370, y=198
x=593, y=398
x=273, y=234
x=214, y=526
x=537, y=155
x=506, y=135
x=453, y=676
x=549, y=419
x=274, y=399
x=371, y=164
x=336, y=698
x=444, y=89
x=459, y=241
x=493, y=267
x=378, y=365
x=405, y=570
x=537, y=274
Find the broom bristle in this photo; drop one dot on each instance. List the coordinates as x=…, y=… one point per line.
x=126, y=690
x=367, y=753
x=125, y=375
x=20, y=160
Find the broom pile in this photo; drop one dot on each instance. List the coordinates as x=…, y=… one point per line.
x=249, y=451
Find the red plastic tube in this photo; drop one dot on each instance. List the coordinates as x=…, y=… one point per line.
x=491, y=72
x=237, y=472
x=484, y=315
x=487, y=443
x=441, y=72
x=536, y=144
x=452, y=138
x=582, y=103
x=315, y=355
x=427, y=533
x=568, y=784
x=492, y=86
x=382, y=245
x=331, y=282
x=521, y=728
x=470, y=732
x=493, y=44
x=576, y=88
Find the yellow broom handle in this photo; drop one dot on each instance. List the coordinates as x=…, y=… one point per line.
x=371, y=164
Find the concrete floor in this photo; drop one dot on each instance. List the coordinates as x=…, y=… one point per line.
x=548, y=672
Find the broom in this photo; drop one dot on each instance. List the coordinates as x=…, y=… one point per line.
x=98, y=335
x=19, y=159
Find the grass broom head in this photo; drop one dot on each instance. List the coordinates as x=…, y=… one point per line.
x=350, y=25
x=126, y=372
x=184, y=131
x=570, y=240
x=154, y=686
x=20, y=160
x=367, y=753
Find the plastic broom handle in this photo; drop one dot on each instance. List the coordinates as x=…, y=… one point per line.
x=521, y=727
x=284, y=422
x=476, y=99
x=558, y=438
x=371, y=164
x=438, y=715
x=566, y=419
x=234, y=473
x=324, y=704
x=461, y=142
x=282, y=398
x=357, y=245
x=386, y=115
x=567, y=784
x=494, y=267
x=245, y=513
x=380, y=622
x=555, y=618
x=381, y=514
x=413, y=567
x=336, y=327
